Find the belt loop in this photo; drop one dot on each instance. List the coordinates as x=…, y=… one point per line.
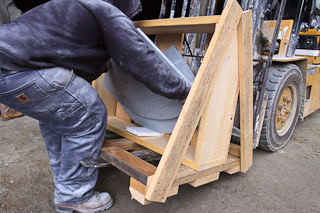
x=70, y=79
x=2, y=77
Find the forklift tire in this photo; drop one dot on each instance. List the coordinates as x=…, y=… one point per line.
x=285, y=91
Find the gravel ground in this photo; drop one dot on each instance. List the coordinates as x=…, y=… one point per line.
x=285, y=181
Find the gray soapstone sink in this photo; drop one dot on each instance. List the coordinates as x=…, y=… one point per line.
x=144, y=107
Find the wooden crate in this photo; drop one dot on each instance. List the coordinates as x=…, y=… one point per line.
x=191, y=154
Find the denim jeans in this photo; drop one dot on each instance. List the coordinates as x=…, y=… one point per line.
x=72, y=120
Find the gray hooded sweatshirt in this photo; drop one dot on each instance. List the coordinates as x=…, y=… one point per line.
x=83, y=35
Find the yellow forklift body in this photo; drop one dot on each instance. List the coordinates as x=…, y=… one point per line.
x=310, y=70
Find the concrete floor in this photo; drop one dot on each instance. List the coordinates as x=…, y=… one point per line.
x=285, y=181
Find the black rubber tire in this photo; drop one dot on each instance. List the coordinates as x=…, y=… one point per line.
x=280, y=76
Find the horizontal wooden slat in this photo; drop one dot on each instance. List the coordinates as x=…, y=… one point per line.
x=142, y=189
x=128, y=163
x=125, y=144
x=200, y=24
x=118, y=126
x=156, y=144
x=186, y=174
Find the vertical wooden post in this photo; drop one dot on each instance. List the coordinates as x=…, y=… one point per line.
x=120, y=113
x=105, y=96
x=246, y=89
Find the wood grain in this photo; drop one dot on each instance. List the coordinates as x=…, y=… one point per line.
x=128, y=163
x=201, y=24
x=246, y=89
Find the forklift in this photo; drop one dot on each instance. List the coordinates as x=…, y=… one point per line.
x=286, y=68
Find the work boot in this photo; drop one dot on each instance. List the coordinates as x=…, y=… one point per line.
x=98, y=203
x=11, y=116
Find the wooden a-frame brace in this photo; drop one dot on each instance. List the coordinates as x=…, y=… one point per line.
x=226, y=69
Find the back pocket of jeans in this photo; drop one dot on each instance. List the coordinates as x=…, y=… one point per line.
x=31, y=100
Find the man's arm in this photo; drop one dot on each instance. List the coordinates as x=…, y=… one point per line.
x=134, y=57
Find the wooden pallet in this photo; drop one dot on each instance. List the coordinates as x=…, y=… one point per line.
x=191, y=154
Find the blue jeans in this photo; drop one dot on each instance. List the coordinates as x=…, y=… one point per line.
x=72, y=120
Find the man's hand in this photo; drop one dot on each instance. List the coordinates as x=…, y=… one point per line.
x=191, y=83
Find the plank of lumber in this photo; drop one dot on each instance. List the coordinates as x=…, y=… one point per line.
x=128, y=163
x=157, y=144
x=135, y=194
x=118, y=126
x=120, y=113
x=233, y=170
x=105, y=96
x=201, y=24
x=246, y=89
x=217, y=118
x=99, y=162
x=138, y=191
x=186, y=174
x=125, y=144
x=192, y=110
x=143, y=189
x=205, y=180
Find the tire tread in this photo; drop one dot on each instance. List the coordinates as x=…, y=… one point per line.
x=276, y=74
